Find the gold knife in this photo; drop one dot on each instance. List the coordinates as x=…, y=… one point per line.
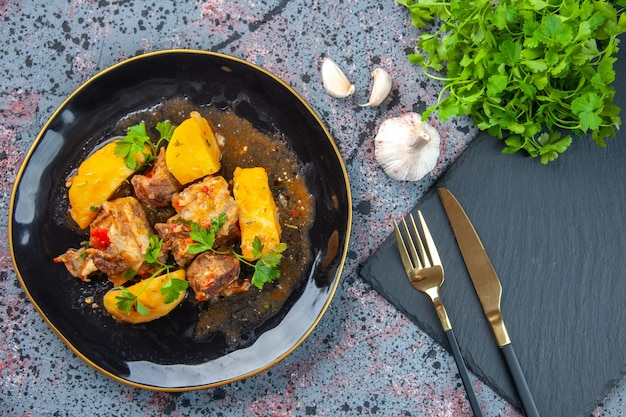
x=489, y=290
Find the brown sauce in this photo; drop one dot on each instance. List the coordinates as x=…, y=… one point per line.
x=237, y=316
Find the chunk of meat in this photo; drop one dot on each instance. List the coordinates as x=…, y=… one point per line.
x=78, y=262
x=236, y=287
x=119, y=237
x=210, y=272
x=199, y=203
x=175, y=236
x=205, y=200
x=128, y=232
x=156, y=188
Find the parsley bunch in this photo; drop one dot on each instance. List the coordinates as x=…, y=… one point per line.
x=136, y=140
x=265, y=266
x=526, y=71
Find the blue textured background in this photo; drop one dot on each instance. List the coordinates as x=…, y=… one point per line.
x=364, y=357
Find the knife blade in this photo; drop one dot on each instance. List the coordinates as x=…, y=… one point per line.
x=489, y=291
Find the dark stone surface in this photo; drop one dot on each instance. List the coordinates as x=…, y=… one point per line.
x=554, y=236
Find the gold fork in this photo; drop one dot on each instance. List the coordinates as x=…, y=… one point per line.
x=425, y=271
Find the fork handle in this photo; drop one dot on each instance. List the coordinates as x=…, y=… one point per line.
x=460, y=363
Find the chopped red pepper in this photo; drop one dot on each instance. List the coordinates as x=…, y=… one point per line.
x=99, y=238
x=177, y=204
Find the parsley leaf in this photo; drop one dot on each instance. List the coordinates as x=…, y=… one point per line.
x=509, y=53
x=166, y=130
x=126, y=300
x=137, y=147
x=153, y=250
x=585, y=107
x=141, y=309
x=266, y=265
x=204, y=237
x=134, y=144
x=172, y=289
x=257, y=247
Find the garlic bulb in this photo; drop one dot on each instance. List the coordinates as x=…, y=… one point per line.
x=380, y=88
x=335, y=81
x=407, y=148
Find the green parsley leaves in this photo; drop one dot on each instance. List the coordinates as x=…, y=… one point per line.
x=265, y=265
x=166, y=130
x=153, y=250
x=172, y=289
x=127, y=301
x=204, y=237
x=137, y=148
x=134, y=143
x=527, y=71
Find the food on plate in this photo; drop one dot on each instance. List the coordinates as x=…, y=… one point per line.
x=210, y=273
x=157, y=237
x=205, y=200
x=258, y=216
x=199, y=203
x=148, y=299
x=157, y=186
x=96, y=179
x=118, y=239
x=193, y=151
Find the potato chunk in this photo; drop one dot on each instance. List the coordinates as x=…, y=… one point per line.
x=258, y=215
x=151, y=298
x=97, y=178
x=193, y=151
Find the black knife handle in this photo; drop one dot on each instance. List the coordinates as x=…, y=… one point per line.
x=460, y=363
x=528, y=404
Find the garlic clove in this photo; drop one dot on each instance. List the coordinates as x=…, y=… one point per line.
x=380, y=88
x=407, y=148
x=335, y=81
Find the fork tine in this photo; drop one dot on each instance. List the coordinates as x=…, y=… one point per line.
x=404, y=254
x=411, y=243
x=420, y=244
x=430, y=243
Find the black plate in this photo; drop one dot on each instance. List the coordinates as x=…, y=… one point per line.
x=161, y=355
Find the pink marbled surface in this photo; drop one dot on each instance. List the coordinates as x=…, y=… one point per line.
x=364, y=357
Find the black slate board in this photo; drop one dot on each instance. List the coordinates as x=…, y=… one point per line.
x=556, y=235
